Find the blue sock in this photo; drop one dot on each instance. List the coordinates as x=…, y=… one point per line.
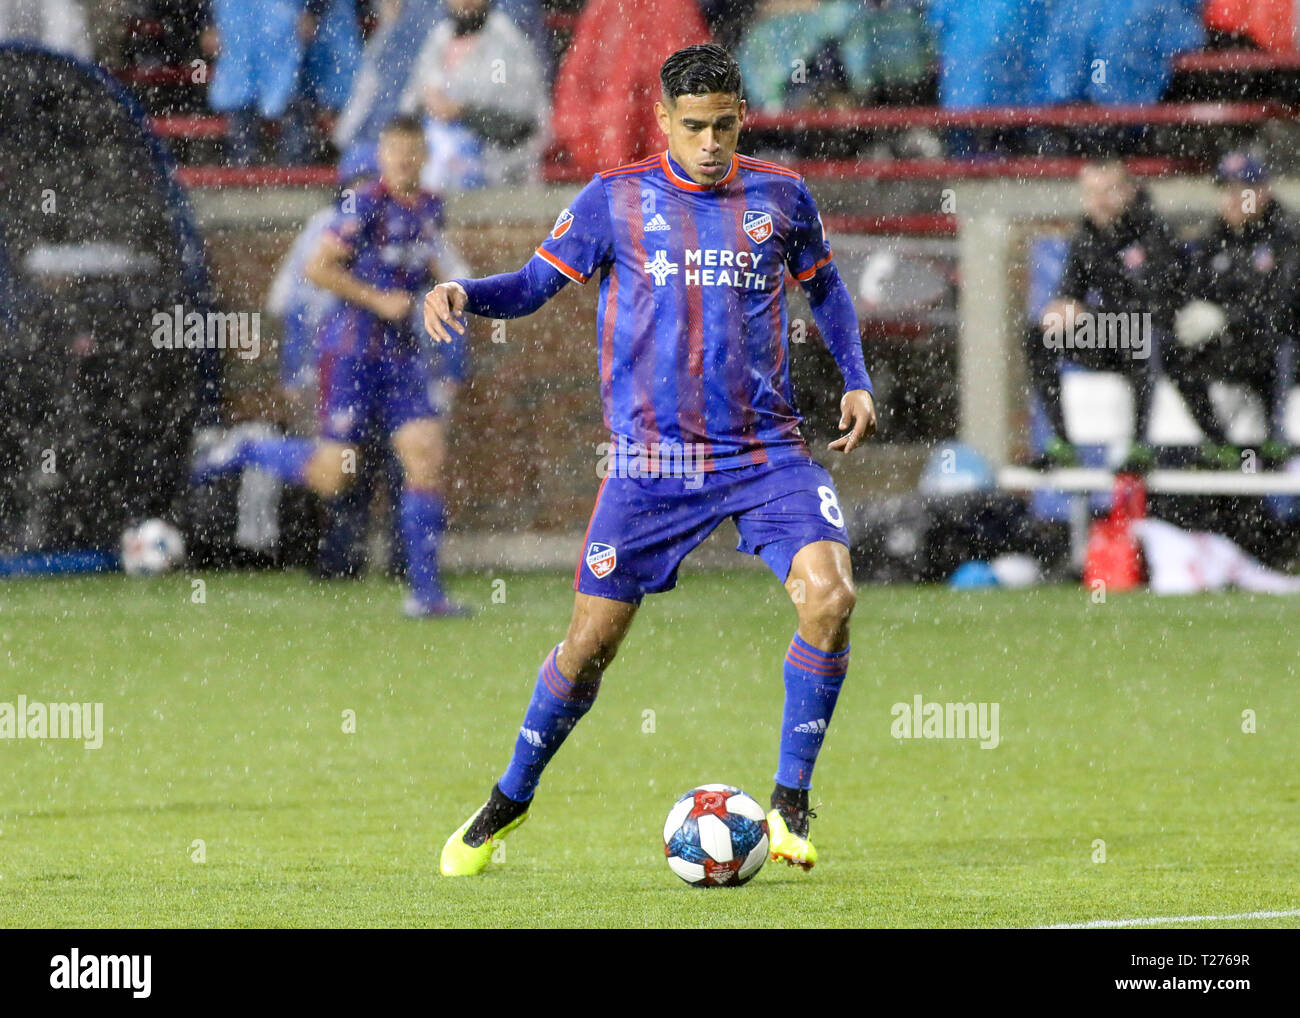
x=557, y=705
x=422, y=523
x=812, y=685
x=342, y=549
x=286, y=458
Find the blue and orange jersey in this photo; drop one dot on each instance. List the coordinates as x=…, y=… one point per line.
x=692, y=318
x=394, y=243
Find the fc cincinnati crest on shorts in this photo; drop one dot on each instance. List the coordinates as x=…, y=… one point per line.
x=758, y=225
x=562, y=225
x=601, y=559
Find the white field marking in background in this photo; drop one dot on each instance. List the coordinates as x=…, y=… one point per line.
x=1113, y=924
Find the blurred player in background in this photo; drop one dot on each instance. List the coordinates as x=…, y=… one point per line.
x=382, y=249
x=1242, y=291
x=303, y=307
x=305, y=310
x=1123, y=259
x=691, y=246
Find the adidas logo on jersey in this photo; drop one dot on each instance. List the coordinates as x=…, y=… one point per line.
x=812, y=727
x=531, y=737
x=657, y=224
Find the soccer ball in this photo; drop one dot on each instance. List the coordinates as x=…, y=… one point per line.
x=716, y=836
x=154, y=547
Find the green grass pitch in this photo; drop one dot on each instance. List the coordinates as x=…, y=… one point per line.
x=1119, y=722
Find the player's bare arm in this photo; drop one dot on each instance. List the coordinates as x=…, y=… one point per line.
x=327, y=268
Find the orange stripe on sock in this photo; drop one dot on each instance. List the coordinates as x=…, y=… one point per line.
x=798, y=656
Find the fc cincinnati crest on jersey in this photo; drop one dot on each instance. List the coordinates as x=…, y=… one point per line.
x=758, y=225
x=562, y=225
x=601, y=559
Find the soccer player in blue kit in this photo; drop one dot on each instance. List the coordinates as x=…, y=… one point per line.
x=381, y=251
x=691, y=248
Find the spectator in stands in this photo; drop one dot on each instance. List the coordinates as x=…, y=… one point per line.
x=58, y=25
x=159, y=33
x=891, y=49
x=989, y=53
x=786, y=40
x=1031, y=53
x=609, y=81
x=728, y=20
x=283, y=60
x=836, y=52
x=1123, y=263
x=482, y=89
x=1242, y=287
x=389, y=61
x=1116, y=52
x=1268, y=24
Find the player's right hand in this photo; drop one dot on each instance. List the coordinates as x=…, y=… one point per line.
x=444, y=306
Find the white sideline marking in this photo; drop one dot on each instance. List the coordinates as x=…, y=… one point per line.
x=1186, y=482
x=1113, y=924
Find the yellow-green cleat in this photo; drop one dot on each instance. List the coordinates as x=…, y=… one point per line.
x=460, y=859
x=786, y=845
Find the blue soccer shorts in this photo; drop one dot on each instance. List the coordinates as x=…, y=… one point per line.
x=373, y=376
x=642, y=528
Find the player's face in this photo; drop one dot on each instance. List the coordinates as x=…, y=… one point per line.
x=703, y=131
x=401, y=158
x=1105, y=192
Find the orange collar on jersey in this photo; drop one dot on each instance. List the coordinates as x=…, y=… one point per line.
x=685, y=183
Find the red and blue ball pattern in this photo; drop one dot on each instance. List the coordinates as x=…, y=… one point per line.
x=716, y=836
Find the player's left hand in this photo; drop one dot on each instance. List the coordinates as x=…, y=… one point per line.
x=444, y=307
x=858, y=411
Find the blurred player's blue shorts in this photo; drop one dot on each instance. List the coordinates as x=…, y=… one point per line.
x=363, y=392
x=372, y=377
x=642, y=528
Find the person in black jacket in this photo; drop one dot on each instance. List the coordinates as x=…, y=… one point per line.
x=1241, y=306
x=1116, y=299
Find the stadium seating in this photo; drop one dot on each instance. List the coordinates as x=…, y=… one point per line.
x=1215, y=96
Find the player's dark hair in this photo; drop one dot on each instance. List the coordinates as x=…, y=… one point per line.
x=699, y=70
x=404, y=123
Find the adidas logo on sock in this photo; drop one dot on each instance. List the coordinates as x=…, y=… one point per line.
x=531, y=737
x=812, y=727
x=657, y=224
